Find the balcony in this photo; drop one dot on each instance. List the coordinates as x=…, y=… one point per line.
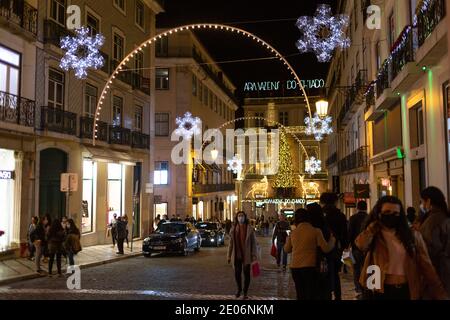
x=87, y=128
x=332, y=160
x=140, y=83
x=120, y=136
x=140, y=140
x=53, y=32
x=210, y=188
x=20, y=14
x=356, y=161
x=17, y=110
x=431, y=33
x=58, y=120
x=124, y=75
x=353, y=99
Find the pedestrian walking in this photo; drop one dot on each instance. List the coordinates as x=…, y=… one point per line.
x=435, y=231
x=38, y=238
x=337, y=222
x=31, y=229
x=280, y=234
x=303, y=243
x=72, y=244
x=355, y=227
x=121, y=234
x=125, y=219
x=242, y=251
x=399, y=252
x=113, y=229
x=56, y=237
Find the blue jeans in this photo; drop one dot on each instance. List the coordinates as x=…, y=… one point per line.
x=280, y=251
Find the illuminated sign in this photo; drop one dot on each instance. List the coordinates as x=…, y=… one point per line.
x=286, y=85
x=6, y=175
x=277, y=201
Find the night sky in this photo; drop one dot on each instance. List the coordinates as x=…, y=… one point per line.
x=250, y=15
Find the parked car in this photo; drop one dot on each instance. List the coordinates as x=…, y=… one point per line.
x=212, y=234
x=173, y=237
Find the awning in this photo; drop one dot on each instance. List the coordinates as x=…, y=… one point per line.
x=108, y=155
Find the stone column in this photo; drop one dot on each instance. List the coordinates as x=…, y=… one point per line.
x=18, y=156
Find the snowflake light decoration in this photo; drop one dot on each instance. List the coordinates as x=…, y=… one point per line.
x=313, y=165
x=188, y=126
x=82, y=52
x=323, y=33
x=235, y=165
x=319, y=127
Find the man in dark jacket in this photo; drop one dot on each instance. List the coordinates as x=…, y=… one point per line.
x=121, y=227
x=280, y=233
x=38, y=238
x=355, y=227
x=337, y=222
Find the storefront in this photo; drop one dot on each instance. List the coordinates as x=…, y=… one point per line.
x=390, y=179
x=7, y=197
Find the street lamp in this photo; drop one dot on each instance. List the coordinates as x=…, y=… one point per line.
x=214, y=154
x=322, y=108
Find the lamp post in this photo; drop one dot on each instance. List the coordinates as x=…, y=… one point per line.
x=322, y=108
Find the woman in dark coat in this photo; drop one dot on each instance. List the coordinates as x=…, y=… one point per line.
x=56, y=237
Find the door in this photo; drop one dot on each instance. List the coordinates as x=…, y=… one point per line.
x=137, y=204
x=53, y=162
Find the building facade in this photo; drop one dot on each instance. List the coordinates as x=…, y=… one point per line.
x=188, y=80
x=53, y=117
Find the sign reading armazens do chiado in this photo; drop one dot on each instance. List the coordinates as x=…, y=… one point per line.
x=259, y=86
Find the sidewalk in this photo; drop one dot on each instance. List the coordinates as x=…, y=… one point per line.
x=22, y=269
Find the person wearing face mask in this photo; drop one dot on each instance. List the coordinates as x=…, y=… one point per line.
x=399, y=252
x=242, y=251
x=435, y=230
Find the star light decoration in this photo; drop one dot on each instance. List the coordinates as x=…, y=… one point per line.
x=323, y=33
x=82, y=52
x=319, y=127
x=235, y=165
x=313, y=165
x=188, y=126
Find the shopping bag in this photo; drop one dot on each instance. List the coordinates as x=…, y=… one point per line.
x=256, y=270
x=273, y=251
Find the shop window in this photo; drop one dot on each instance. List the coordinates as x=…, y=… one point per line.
x=161, y=176
x=7, y=164
x=115, y=190
x=9, y=71
x=89, y=196
x=162, y=79
x=161, y=209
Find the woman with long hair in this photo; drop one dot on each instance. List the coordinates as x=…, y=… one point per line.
x=435, y=230
x=399, y=253
x=242, y=251
x=56, y=237
x=72, y=243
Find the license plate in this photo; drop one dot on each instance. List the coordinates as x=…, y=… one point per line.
x=159, y=248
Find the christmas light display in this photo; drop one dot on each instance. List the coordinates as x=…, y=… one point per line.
x=188, y=126
x=323, y=33
x=319, y=127
x=313, y=165
x=285, y=176
x=82, y=52
x=235, y=165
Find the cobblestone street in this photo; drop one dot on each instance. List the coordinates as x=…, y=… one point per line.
x=200, y=276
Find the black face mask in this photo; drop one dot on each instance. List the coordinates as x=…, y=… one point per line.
x=390, y=221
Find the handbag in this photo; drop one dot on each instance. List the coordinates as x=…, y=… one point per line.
x=256, y=270
x=273, y=251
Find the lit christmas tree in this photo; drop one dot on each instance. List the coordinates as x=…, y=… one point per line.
x=285, y=177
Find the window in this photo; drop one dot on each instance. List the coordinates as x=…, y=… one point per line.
x=93, y=24
x=162, y=47
x=140, y=14
x=56, y=89
x=118, y=45
x=259, y=122
x=89, y=196
x=139, y=63
x=138, y=118
x=90, y=100
x=391, y=30
x=194, y=85
x=9, y=71
x=115, y=190
x=162, y=124
x=58, y=11
x=117, y=111
x=161, y=209
x=161, y=173
x=162, y=79
x=416, y=119
x=378, y=55
x=284, y=118
x=120, y=4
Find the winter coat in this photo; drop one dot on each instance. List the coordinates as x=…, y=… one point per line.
x=280, y=232
x=55, y=242
x=337, y=222
x=72, y=243
x=250, y=246
x=436, y=232
x=418, y=269
x=121, y=229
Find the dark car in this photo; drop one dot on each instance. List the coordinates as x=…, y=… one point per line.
x=173, y=237
x=212, y=234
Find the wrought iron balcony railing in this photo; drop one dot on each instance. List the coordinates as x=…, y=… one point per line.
x=140, y=140
x=140, y=83
x=370, y=97
x=383, y=80
x=209, y=188
x=356, y=160
x=405, y=49
x=427, y=20
x=87, y=128
x=17, y=110
x=53, y=32
x=124, y=75
x=58, y=120
x=20, y=13
x=119, y=135
x=332, y=160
